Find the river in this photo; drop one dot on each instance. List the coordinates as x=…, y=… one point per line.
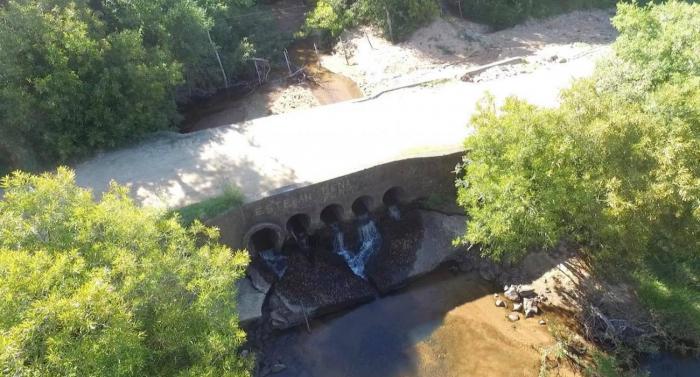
x=242, y=104
x=444, y=325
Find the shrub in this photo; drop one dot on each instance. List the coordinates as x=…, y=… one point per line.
x=110, y=289
x=505, y=13
x=397, y=18
x=615, y=167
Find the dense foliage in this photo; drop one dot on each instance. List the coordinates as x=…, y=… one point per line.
x=110, y=289
x=616, y=167
x=505, y=13
x=397, y=18
x=80, y=75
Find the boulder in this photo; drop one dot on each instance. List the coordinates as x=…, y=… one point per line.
x=530, y=307
x=500, y=303
x=526, y=290
x=249, y=302
x=513, y=317
x=517, y=307
x=512, y=293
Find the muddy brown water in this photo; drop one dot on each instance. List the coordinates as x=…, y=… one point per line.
x=233, y=105
x=330, y=87
x=444, y=325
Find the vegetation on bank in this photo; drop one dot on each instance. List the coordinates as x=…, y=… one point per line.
x=501, y=14
x=397, y=18
x=615, y=168
x=210, y=208
x=79, y=76
x=110, y=289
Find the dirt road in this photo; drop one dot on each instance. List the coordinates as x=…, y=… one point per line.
x=315, y=144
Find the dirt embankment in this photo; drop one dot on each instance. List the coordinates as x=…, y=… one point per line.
x=364, y=63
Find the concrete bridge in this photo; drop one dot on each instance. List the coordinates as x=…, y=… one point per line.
x=267, y=223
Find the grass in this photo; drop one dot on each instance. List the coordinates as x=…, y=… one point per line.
x=212, y=207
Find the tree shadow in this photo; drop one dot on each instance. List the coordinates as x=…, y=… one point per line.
x=378, y=338
x=173, y=170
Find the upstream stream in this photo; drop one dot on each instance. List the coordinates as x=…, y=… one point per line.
x=240, y=105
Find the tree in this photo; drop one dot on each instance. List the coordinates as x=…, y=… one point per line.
x=110, y=289
x=80, y=76
x=616, y=167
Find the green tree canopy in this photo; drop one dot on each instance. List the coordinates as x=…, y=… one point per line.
x=616, y=167
x=110, y=289
x=82, y=75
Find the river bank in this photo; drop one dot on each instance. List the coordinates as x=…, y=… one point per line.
x=444, y=325
x=364, y=63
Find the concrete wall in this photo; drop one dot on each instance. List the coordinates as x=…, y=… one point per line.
x=416, y=178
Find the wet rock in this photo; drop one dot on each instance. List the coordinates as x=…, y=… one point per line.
x=416, y=245
x=500, y=303
x=530, y=307
x=513, y=317
x=512, y=293
x=258, y=278
x=249, y=302
x=517, y=307
x=277, y=367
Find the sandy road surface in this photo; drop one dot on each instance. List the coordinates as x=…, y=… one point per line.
x=315, y=144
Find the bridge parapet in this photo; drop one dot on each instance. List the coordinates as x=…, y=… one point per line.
x=267, y=222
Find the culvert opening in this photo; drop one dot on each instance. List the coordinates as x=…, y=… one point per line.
x=394, y=196
x=362, y=206
x=298, y=227
x=262, y=240
x=299, y=223
x=332, y=214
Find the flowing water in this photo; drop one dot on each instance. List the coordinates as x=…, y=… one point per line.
x=276, y=261
x=444, y=325
x=370, y=242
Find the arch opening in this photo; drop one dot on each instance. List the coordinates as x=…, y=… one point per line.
x=362, y=205
x=262, y=240
x=298, y=227
x=299, y=223
x=332, y=214
x=394, y=196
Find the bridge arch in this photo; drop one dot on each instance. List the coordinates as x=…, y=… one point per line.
x=362, y=205
x=394, y=196
x=332, y=213
x=299, y=223
x=263, y=236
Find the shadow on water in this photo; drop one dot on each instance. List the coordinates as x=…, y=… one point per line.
x=668, y=365
x=379, y=338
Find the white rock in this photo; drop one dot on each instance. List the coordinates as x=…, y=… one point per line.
x=512, y=294
x=500, y=303
x=530, y=306
x=513, y=317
